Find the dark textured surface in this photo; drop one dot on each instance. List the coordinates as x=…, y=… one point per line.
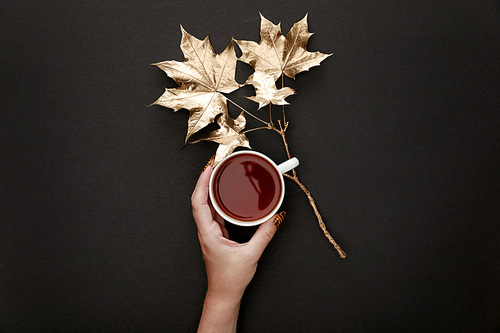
x=397, y=133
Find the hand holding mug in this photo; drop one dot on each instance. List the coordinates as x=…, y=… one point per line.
x=230, y=266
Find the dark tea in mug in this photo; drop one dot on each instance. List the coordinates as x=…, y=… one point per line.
x=247, y=187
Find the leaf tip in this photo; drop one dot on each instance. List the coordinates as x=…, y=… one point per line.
x=327, y=55
x=185, y=145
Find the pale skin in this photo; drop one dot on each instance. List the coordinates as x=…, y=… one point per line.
x=230, y=266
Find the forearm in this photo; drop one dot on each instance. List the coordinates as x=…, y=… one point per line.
x=220, y=313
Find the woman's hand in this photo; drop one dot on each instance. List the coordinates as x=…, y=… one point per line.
x=230, y=265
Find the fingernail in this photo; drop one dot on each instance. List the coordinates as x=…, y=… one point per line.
x=209, y=162
x=279, y=219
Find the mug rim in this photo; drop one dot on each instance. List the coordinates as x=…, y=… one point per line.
x=231, y=219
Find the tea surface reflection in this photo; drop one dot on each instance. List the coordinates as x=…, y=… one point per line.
x=247, y=187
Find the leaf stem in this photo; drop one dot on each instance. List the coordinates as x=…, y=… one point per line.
x=270, y=116
x=242, y=109
x=255, y=129
x=283, y=107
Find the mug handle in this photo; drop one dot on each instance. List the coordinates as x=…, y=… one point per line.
x=288, y=165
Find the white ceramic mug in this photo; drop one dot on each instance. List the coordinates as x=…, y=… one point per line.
x=222, y=174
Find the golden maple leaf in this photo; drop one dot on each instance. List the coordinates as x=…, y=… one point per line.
x=203, y=76
x=228, y=136
x=276, y=54
x=266, y=91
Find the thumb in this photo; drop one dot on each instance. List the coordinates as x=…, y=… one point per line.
x=266, y=232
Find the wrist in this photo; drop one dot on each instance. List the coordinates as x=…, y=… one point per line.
x=220, y=312
x=225, y=296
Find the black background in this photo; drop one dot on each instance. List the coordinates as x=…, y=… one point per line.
x=397, y=133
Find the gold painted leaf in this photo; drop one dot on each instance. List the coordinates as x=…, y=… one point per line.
x=228, y=136
x=203, y=106
x=202, y=76
x=276, y=54
x=266, y=91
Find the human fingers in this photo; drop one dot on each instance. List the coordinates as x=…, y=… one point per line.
x=222, y=223
x=219, y=220
x=202, y=212
x=265, y=233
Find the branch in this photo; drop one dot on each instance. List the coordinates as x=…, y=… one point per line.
x=304, y=189
x=282, y=130
x=322, y=225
